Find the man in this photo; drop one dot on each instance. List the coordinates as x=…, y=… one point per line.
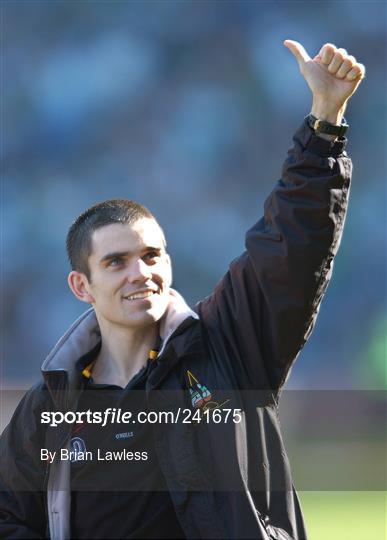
x=141, y=350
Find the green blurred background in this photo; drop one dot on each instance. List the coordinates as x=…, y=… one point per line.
x=345, y=515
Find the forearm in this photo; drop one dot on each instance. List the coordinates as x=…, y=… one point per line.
x=292, y=249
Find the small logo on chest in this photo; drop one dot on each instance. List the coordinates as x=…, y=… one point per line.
x=77, y=449
x=201, y=396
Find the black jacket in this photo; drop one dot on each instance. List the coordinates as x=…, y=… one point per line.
x=230, y=480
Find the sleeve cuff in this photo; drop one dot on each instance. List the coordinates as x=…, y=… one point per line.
x=306, y=137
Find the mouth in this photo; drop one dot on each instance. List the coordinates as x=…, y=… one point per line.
x=141, y=295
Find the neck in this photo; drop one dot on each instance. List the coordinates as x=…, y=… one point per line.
x=123, y=353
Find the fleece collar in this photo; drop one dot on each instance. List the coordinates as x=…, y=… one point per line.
x=84, y=334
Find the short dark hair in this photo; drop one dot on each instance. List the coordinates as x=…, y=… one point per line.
x=79, y=237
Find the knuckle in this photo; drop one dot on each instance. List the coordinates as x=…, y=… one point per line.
x=347, y=64
x=327, y=52
x=339, y=55
x=358, y=70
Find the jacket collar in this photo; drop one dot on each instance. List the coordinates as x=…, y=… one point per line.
x=59, y=366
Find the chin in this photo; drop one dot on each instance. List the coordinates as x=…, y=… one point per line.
x=134, y=318
x=147, y=318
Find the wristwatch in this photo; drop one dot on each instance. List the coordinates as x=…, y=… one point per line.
x=322, y=126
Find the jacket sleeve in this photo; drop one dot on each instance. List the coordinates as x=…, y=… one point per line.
x=22, y=506
x=263, y=310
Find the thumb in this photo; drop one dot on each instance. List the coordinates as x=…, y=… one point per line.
x=298, y=51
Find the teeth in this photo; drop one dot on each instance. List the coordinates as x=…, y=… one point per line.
x=140, y=295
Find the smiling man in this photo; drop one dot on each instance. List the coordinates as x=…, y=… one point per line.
x=216, y=466
x=120, y=266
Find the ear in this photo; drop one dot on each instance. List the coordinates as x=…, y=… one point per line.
x=79, y=284
x=168, y=279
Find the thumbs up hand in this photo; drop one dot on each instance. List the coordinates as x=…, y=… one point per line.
x=332, y=75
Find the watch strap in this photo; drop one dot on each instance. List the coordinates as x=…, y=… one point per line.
x=322, y=126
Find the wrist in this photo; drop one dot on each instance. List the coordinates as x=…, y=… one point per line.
x=324, y=110
x=325, y=129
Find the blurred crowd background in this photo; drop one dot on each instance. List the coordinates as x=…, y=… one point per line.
x=188, y=107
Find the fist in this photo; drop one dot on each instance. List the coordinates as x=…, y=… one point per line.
x=332, y=75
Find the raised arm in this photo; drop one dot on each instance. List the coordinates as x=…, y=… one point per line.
x=264, y=309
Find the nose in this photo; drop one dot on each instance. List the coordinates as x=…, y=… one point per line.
x=139, y=271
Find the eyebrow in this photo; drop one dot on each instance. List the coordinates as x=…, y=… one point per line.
x=121, y=254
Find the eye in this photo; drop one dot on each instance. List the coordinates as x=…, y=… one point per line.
x=115, y=262
x=151, y=255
